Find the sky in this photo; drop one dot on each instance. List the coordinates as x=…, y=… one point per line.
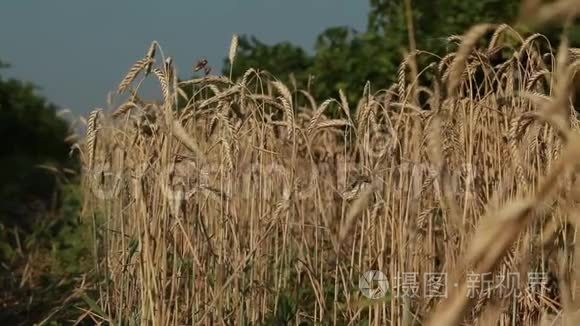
x=78, y=51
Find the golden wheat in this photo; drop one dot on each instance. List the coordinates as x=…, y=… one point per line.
x=247, y=201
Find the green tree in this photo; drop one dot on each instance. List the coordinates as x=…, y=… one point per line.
x=31, y=134
x=43, y=245
x=279, y=59
x=346, y=59
x=434, y=21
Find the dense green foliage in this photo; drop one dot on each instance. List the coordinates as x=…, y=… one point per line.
x=43, y=246
x=347, y=59
x=32, y=135
x=434, y=21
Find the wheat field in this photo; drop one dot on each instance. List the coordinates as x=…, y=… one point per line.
x=241, y=202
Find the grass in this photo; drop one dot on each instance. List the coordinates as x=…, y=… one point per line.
x=246, y=202
x=42, y=268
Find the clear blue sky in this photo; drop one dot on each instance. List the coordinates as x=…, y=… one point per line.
x=77, y=51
